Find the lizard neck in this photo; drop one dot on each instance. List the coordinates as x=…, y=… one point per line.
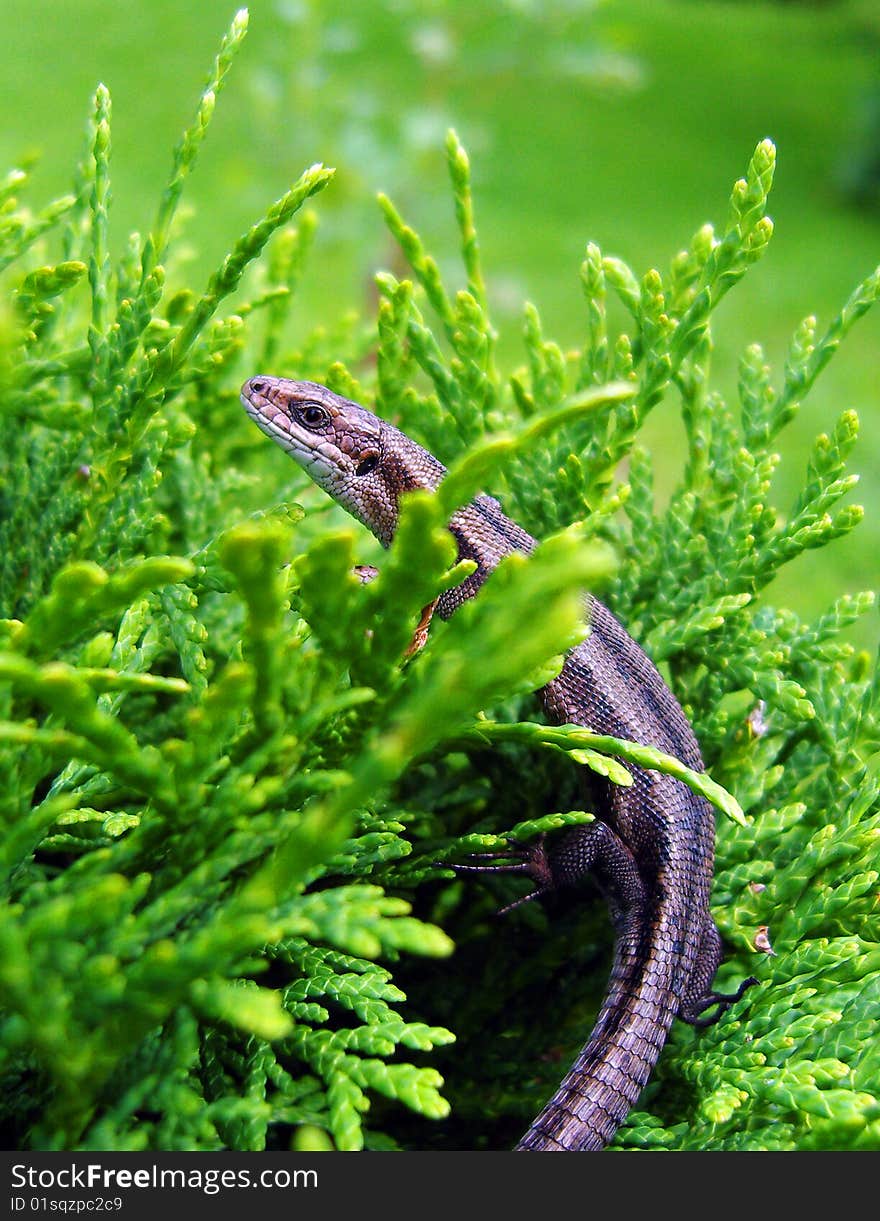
x=484, y=535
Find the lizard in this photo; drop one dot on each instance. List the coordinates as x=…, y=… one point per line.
x=651, y=845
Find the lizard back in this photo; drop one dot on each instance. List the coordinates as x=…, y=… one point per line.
x=657, y=887
x=661, y=926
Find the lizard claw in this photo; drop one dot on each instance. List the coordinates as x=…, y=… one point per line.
x=528, y=859
x=694, y=1015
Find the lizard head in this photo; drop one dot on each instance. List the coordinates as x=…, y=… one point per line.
x=363, y=462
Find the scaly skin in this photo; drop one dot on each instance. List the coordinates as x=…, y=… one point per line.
x=652, y=844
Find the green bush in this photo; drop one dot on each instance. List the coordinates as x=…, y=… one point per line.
x=223, y=789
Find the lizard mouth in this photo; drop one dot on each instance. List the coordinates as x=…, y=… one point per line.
x=268, y=405
x=276, y=423
x=266, y=414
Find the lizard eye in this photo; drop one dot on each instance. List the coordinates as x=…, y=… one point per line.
x=313, y=416
x=367, y=463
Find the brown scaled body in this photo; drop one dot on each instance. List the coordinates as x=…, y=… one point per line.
x=651, y=847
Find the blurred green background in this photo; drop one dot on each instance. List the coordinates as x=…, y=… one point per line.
x=624, y=122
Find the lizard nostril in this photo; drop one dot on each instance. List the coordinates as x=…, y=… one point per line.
x=257, y=386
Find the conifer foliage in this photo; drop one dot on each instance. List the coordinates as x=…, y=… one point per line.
x=224, y=786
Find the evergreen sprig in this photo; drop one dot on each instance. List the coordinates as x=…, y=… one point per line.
x=226, y=783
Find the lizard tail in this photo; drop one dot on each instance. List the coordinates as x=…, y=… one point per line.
x=610, y=1071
